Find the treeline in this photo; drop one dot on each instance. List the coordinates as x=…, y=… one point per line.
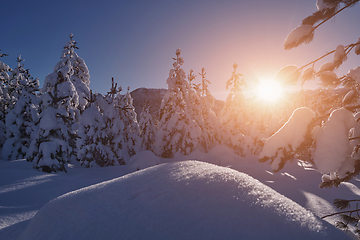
x=64, y=121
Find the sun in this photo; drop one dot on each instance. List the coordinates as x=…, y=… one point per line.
x=269, y=90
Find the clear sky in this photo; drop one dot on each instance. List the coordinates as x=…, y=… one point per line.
x=134, y=41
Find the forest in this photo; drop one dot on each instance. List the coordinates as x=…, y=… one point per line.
x=63, y=123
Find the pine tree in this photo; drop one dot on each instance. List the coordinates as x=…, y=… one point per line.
x=211, y=122
x=113, y=124
x=178, y=131
x=147, y=129
x=54, y=144
x=79, y=76
x=4, y=97
x=232, y=115
x=91, y=132
x=20, y=120
x=128, y=142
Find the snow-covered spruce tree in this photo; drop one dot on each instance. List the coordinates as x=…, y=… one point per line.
x=4, y=97
x=128, y=143
x=80, y=76
x=54, y=143
x=23, y=114
x=91, y=135
x=232, y=115
x=178, y=131
x=211, y=122
x=147, y=129
x=323, y=139
x=112, y=133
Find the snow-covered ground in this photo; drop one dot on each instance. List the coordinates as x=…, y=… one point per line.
x=175, y=200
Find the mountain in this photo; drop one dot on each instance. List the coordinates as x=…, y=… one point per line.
x=152, y=95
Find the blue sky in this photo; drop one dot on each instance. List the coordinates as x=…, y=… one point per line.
x=134, y=41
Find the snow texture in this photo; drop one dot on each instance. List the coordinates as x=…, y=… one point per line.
x=289, y=137
x=184, y=200
x=298, y=35
x=333, y=151
x=143, y=160
x=354, y=74
x=321, y=5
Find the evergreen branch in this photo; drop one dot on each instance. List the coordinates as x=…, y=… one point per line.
x=333, y=214
x=335, y=13
x=350, y=46
x=354, y=138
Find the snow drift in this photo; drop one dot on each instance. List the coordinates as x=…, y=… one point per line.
x=183, y=200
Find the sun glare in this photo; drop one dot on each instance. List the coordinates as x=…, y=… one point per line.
x=269, y=90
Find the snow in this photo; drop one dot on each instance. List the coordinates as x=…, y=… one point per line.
x=329, y=66
x=339, y=54
x=179, y=199
x=289, y=137
x=297, y=35
x=354, y=74
x=334, y=156
x=182, y=200
x=143, y=160
x=321, y=5
x=287, y=75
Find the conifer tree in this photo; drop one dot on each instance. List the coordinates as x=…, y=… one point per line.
x=4, y=97
x=79, y=77
x=211, y=121
x=113, y=125
x=147, y=129
x=54, y=144
x=178, y=131
x=128, y=142
x=23, y=114
x=91, y=132
x=232, y=115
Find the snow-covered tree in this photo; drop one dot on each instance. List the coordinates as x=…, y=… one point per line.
x=211, y=122
x=23, y=114
x=80, y=76
x=4, y=97
x=112, y=133
x=55, y=140
x=128, y=143
x=147, y=129
x=92, y=150
x=178, y=131
x=325, y=139
x=232, y=115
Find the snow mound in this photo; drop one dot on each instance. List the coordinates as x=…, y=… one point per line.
x=289, y=137
x=332, y=156
x=143, y=160
x=183, y=200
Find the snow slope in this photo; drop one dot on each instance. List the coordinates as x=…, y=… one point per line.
x=24, y=191
x=182, y=200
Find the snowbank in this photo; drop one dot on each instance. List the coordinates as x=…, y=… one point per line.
x=143, y=160
x=333, y=151
x=288, y=138
x=183, y=200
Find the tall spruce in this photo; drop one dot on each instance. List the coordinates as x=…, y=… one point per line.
x=92, y=150
x=23, y=114
x=178, y=131
x=147, y=129
x=4, y=97
x=54, y=144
